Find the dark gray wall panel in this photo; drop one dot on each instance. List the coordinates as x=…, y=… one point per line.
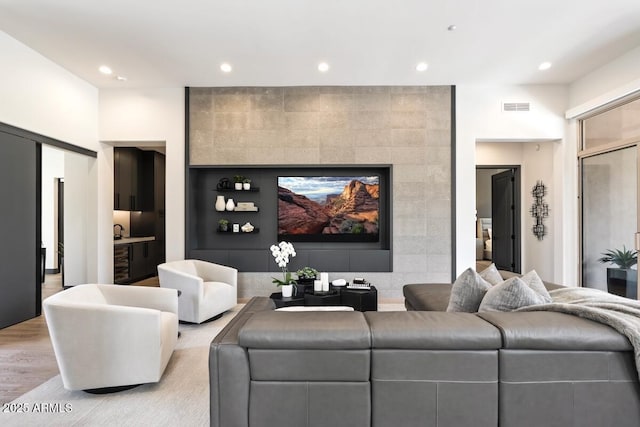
x=366, y=260
x=19, y=254
x=250, y=252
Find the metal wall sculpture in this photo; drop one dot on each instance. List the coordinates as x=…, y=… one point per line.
x=539, y=210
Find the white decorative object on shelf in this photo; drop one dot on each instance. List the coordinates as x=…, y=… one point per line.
x=236, y=228
x=220, y=203
x=247, y=228
x=230, y=205
x=246, y=185
x=246, y=207
x=237, y=185
x=339, y=282
x=287, y=291
x=324, y=277
x=317, y=286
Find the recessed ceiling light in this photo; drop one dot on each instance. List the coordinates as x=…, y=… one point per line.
x=452, y=27
x=226, y=67
x=544, y=66
x=422, y=66
x=323, y=67
x=105, y=70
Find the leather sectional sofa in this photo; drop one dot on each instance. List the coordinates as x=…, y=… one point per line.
x=420, y=368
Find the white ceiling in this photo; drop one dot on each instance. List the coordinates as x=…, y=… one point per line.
x=171, y=43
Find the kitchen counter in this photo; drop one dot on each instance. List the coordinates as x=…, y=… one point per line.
x=127, y=240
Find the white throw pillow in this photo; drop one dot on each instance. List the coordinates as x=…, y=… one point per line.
x=535, y=282
x=492, y=275
x=467, y=292
x=510, y=295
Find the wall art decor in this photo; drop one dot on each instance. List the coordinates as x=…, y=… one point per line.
x=539, y=210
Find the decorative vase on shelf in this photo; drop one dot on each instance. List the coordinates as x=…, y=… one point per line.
x=230, y=205
x=220, y=203
x=237, y=185
x=287, y=291
x=246, y=186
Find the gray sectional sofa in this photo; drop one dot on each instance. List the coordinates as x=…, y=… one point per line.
x=420, y=368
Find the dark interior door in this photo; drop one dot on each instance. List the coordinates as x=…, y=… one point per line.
x=20, y=291
x=505, y=212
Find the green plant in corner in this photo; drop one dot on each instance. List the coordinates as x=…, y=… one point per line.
x=625, y=258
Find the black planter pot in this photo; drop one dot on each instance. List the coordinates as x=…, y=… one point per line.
x=622, y=282
x=303, y=286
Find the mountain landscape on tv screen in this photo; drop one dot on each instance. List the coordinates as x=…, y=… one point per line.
x=328, y=205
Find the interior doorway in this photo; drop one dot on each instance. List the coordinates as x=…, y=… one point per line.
x=498, y=217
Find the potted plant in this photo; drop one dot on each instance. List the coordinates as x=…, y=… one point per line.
x=246, y=184
x=223, y=225
x=622, y=280
x=237, y=182
x=306, y=276
x=281, y=253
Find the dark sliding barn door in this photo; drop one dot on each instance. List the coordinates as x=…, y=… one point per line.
x=505, y=212
x=20, y=290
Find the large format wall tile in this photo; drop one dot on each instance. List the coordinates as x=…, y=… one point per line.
x=408, y=127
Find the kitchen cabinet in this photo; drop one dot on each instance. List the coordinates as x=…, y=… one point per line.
x=132, y=178
x=125, y=184
x=142, y=260
x=136, y=260
x=151, y=222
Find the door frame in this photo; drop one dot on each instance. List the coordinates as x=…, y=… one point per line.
x=518, y=212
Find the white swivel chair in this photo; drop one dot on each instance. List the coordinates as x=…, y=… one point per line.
x=208, y=290
x=112, y=337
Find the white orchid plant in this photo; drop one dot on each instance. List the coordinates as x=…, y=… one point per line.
x=282, y=252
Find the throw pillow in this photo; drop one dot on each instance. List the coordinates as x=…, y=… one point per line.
x=492, y=275
x=535, y=282
x=510, y=295
x=467, y=292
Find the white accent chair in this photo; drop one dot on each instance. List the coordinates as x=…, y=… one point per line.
x=207, y=289
x=108, y=336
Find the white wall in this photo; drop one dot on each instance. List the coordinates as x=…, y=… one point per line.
x=607, y=83
x=480, y=119
x=42, y=97
x=80, y=258
x=52, y=168
x=145, y=115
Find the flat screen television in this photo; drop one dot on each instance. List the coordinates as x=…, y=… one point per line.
x=343, y=208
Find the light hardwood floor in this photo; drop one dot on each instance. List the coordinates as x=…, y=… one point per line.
x=26, y=354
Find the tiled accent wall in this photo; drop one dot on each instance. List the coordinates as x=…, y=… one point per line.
x=408, y=127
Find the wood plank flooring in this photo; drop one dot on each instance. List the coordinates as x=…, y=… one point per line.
x=26, y=355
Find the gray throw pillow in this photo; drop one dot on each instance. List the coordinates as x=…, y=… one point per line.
x=535, y=282
x=492, y=275
x=467, y=292
x=510, y=295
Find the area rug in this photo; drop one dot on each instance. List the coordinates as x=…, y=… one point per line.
x=181, y=398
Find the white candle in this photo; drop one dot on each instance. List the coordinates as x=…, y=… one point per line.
x=317, y=285
x=324, y=278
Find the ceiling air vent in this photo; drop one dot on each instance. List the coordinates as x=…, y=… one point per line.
x=515, y=106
